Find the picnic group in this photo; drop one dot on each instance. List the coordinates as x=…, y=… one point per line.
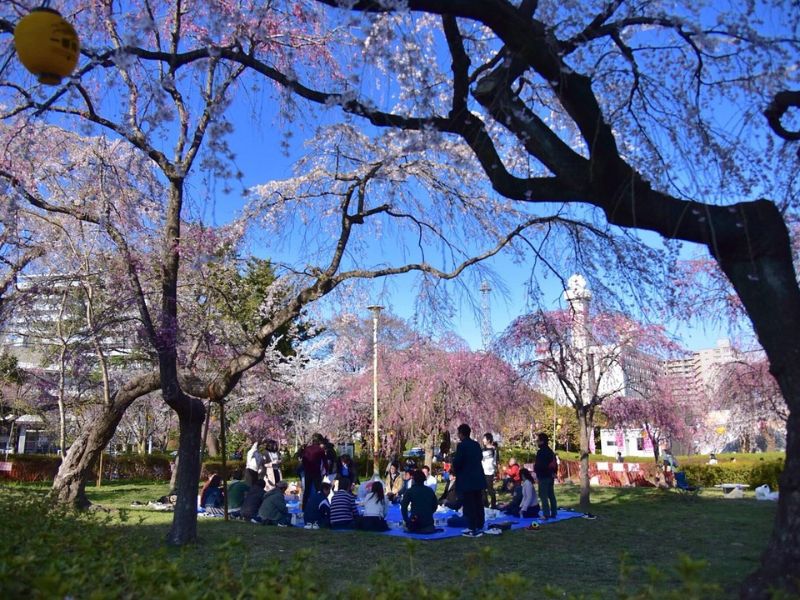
x=330, y=494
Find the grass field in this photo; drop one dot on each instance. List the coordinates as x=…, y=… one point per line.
x=581, y=557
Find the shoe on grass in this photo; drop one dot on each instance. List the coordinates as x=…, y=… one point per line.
x=493, y=531
x=590, y=516
x=472, y=533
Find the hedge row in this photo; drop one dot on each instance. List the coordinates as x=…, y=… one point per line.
x=37, y=467
x=41, y=467
x=753, y=474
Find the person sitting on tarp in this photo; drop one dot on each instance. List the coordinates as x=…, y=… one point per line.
x=512, y=478
x=529, y=507
x=394, y=481
x=343, y=506
x=252, y=500
x=318, y=508
x=273, y=509
x=449, y=498
x=430, y=480
x=512, y=508
x=236, y=492
x=376, y=507
x=211, y=496
x=423, y=505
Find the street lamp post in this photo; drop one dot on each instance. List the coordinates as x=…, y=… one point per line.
x=376, y=311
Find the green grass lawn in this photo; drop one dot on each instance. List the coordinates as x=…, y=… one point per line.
x=582, y=557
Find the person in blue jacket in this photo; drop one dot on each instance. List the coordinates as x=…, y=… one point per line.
x=470, y=481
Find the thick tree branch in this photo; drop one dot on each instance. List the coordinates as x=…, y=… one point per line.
x=781, y=103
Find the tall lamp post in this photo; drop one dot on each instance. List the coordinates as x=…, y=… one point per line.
x=376, y=311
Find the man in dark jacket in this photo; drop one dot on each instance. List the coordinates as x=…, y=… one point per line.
x=545, y=468
x=423, y=505
x=470, y=481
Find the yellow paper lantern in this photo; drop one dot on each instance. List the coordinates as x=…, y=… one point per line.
x=47, y=45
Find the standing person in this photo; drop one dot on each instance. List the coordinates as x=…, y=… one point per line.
x=273, y=462
x=255, y=460
x=313, y=459
x=545, y=467
x=346, y=468
x=489, y=464
x=331, y=460
x=470, y=481
x=252, y=500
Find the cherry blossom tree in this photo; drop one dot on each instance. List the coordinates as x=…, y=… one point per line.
x=652, y=115
x=583, y=360
x=561, y=105
x=751, y=395
x=171, y=108
x=662, y=414
x=426, y=388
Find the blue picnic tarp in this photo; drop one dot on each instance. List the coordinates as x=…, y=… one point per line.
x=394, y=518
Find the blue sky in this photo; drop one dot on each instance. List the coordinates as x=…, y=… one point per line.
x=261, y=158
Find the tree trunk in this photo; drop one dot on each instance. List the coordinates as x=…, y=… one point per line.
x=173, y=478
x=779, y=562
x=585, y=430
x=761, y=270
x=212, y=446
x=184, y=521
x=69, y=486
x=430, y=443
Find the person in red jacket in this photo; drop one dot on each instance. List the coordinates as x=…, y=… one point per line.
x=512, y=478
x=313, y=459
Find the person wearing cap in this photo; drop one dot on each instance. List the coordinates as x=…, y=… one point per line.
x=273, y=509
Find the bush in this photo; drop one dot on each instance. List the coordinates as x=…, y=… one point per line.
x=32, y=467
x=753, y=474
x=43, y=467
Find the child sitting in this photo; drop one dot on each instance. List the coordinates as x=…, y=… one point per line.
x=343, y=506
x=317, y=511
x=376, y=507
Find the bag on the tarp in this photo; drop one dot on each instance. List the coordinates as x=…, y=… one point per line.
x=457, y=522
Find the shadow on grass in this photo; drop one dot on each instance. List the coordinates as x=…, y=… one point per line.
x=651, y=526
